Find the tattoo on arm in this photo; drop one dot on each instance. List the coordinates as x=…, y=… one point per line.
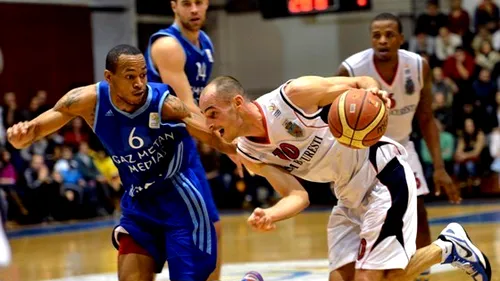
x=177, y=107
x=69, y=99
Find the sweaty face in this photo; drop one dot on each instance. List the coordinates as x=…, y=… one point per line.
x=386, y=39
x=129, y=80
x=220, y=116
x=191, y=13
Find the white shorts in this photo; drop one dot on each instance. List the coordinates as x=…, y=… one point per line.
x=380, y=234
x=416, y=167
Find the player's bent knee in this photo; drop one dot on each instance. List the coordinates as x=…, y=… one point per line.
x=344, y=273
x=369, y=275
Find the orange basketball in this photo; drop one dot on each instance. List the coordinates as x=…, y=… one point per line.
x=358, y=118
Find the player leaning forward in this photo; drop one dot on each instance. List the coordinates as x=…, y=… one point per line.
x=284, y=134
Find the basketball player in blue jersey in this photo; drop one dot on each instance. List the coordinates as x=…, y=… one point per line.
x=182, y=57
x=146, y=130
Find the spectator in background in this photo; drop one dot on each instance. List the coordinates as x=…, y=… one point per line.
x=442, y=111
x=41, y=95
x=431, y=21
x=487, y=14
x=446, y=43
x=41, y=194
x=11, y=113
x=443, y=85
x=484, y=90
x=482, y=35
x=33, y=110
x=8, y=175
x=38, y=147
x=469, y=148
x=422, y=43
x=459, y=68
x=210, y=160
x=447, y=144
x=76, y=134
x=458, y=19
x=495, y=39
x=487, y=58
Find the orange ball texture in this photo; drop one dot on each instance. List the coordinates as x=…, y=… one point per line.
x=358, y=118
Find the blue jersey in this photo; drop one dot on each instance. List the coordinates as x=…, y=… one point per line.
x=146, y=151
x=199, y=60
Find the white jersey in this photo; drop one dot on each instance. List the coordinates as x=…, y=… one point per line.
x=303, y=145
x=404, y=89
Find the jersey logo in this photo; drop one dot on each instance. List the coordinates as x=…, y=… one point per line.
x=362, y=249
x=154, y=120
x=409, y=85
x=274, y=109
x=109, y=113
x=293, y=129
x=202, y=71
x=209, y=55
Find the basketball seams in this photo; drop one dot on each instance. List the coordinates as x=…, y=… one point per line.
x=358, y=117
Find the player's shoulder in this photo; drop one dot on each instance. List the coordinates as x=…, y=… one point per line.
x=360, y=57
x=409, y=55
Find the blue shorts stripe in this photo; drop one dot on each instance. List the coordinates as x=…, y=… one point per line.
x=205, y=212
x=185, y=184
x=190, y=209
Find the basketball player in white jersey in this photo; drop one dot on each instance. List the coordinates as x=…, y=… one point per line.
x=406, y=76
x=284, y=134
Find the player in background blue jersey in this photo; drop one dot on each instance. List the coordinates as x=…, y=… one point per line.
x=182, y=57
x=144, y=128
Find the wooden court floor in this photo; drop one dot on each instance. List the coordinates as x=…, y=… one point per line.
x=66, y=255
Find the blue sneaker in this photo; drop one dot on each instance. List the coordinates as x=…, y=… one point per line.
x=464, y=254
x=252, y=276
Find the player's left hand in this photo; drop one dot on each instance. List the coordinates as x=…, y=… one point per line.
x=443, y=180
x=383, y=95
x=259, y=220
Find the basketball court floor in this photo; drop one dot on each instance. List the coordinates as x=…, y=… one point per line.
x=296, y=250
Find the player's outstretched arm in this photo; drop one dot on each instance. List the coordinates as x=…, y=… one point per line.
x=175, y=109
x=295, y=198
x=169, y=59
x=74, y=103
x=312, y=92
x=430, y=133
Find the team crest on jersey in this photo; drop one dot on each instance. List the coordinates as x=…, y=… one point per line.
x=154, y=120
x=409, y=85
x=293, y=129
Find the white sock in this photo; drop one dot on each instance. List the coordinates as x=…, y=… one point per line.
x=445, y=248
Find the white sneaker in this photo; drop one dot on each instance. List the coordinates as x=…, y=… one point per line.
x=464, y=254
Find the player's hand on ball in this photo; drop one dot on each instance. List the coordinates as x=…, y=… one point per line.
x=383, y=95
x=259, y=220
x=443, y=180
x=21, y=134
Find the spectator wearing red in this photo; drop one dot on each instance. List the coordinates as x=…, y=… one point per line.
x=460, y=66
x=458, y=19
x=77, y=134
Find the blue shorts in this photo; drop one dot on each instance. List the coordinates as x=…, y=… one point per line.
x=173, y=225
x=199, y=170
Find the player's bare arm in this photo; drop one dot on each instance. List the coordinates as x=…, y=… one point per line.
x=77, y=102
x=313, y=92
x=431, y=136
x=175, y=109
x=169, y=58
x=295, y=198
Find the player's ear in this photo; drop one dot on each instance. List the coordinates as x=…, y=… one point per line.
x=107, y=75
x=173, y=5
x=238, y=101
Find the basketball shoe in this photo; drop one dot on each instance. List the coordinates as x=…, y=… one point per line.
x=459, y=251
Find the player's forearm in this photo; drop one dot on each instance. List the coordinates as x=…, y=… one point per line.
x=431, y=136
x=366, y=82
x=289, y=206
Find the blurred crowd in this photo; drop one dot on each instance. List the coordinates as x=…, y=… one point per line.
x=463, y=51
x=69, y=176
